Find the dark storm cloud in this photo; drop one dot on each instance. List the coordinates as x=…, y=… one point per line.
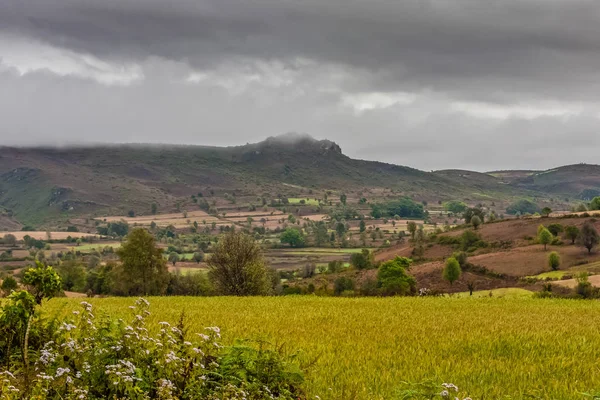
x=478, y=49
x=482, y=84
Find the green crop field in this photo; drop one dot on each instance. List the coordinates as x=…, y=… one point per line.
x=366, y=347
x=298, y=200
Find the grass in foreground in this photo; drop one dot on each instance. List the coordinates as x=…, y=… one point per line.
x=364, y=348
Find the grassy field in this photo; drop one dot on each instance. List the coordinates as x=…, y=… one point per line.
x=364, y=348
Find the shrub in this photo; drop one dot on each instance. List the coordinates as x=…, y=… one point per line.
x=393, y=277
x=362, y=260
x=343, y=284
x=554, y=261
x=111, y=359
x=470, y=240
x=237, y=267
x=555, y=229
x=452, y=270
x=544, y=236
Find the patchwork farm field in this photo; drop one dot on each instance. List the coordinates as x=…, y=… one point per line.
x=365, y=348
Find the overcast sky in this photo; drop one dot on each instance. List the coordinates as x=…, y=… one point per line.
x=474, y=84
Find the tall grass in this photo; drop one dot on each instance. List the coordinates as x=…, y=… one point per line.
x=364, y=348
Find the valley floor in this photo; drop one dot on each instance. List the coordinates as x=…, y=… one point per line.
x=364, y=348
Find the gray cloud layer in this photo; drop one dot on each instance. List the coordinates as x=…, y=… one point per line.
x=434, y=84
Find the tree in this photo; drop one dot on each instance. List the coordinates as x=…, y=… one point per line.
x=393, y=277
x=8, y=285
x=554, y=261
x=595, y=204
x=343, y=198
x=143, y=267
x=555, y=229
x=546, y=211
x=237, y=267
x=173, y=258
x=544, y=236
x=198, y=257
x=362, y=225
x=469, y=239
x=293, y=237
x=343, y=284
x=9, y=239
x=572, y=232
x=42, y=282
x=320, y=233
x=362, y=260
x=412, y=228
x=154, y=208
x=588, y=236
x=523, y=206
x=471, y=212
x=475, y=221
x=72, y=275
x=452, y=270
x=131, y=213
x=455, y=207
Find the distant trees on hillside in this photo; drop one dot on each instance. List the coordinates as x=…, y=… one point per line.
x=405, y=208
x=472, y=212
x=523, y=206
x=455, y=207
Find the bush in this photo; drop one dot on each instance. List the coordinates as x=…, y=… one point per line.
x=343, y=284
x=393, y=278
x=522, y=207
x=554, y=261
x=112, y=359
x=362, y=260
x=470, y=240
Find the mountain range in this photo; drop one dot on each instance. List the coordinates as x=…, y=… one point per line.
x=41, y=185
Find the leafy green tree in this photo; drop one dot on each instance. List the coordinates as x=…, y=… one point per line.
x=293, y=237
x=546, y=211
x=173, y=258
x=469, y=239
x=475, y=221
x=73, y=276
x=154, y=208
x=340, y=228
x=412, y=229
x=343, y=284
x=472, y=212
x=452, y=270
x=572, y=233
x=393, y=277
x=320, y=233
x=237, y=267
x=362, y=260
x=343, y=198
x=362, y=226
x=554, y=260
x=131, y=213
x=143, y=267
x=521, y=207
x=588, y=236
x=555, y=229
x=455, y=207
x=198, y=257
x=595, y=204
x=42, y=282
x=544, y=236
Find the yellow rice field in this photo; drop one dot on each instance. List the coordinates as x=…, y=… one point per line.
x=366, y=347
